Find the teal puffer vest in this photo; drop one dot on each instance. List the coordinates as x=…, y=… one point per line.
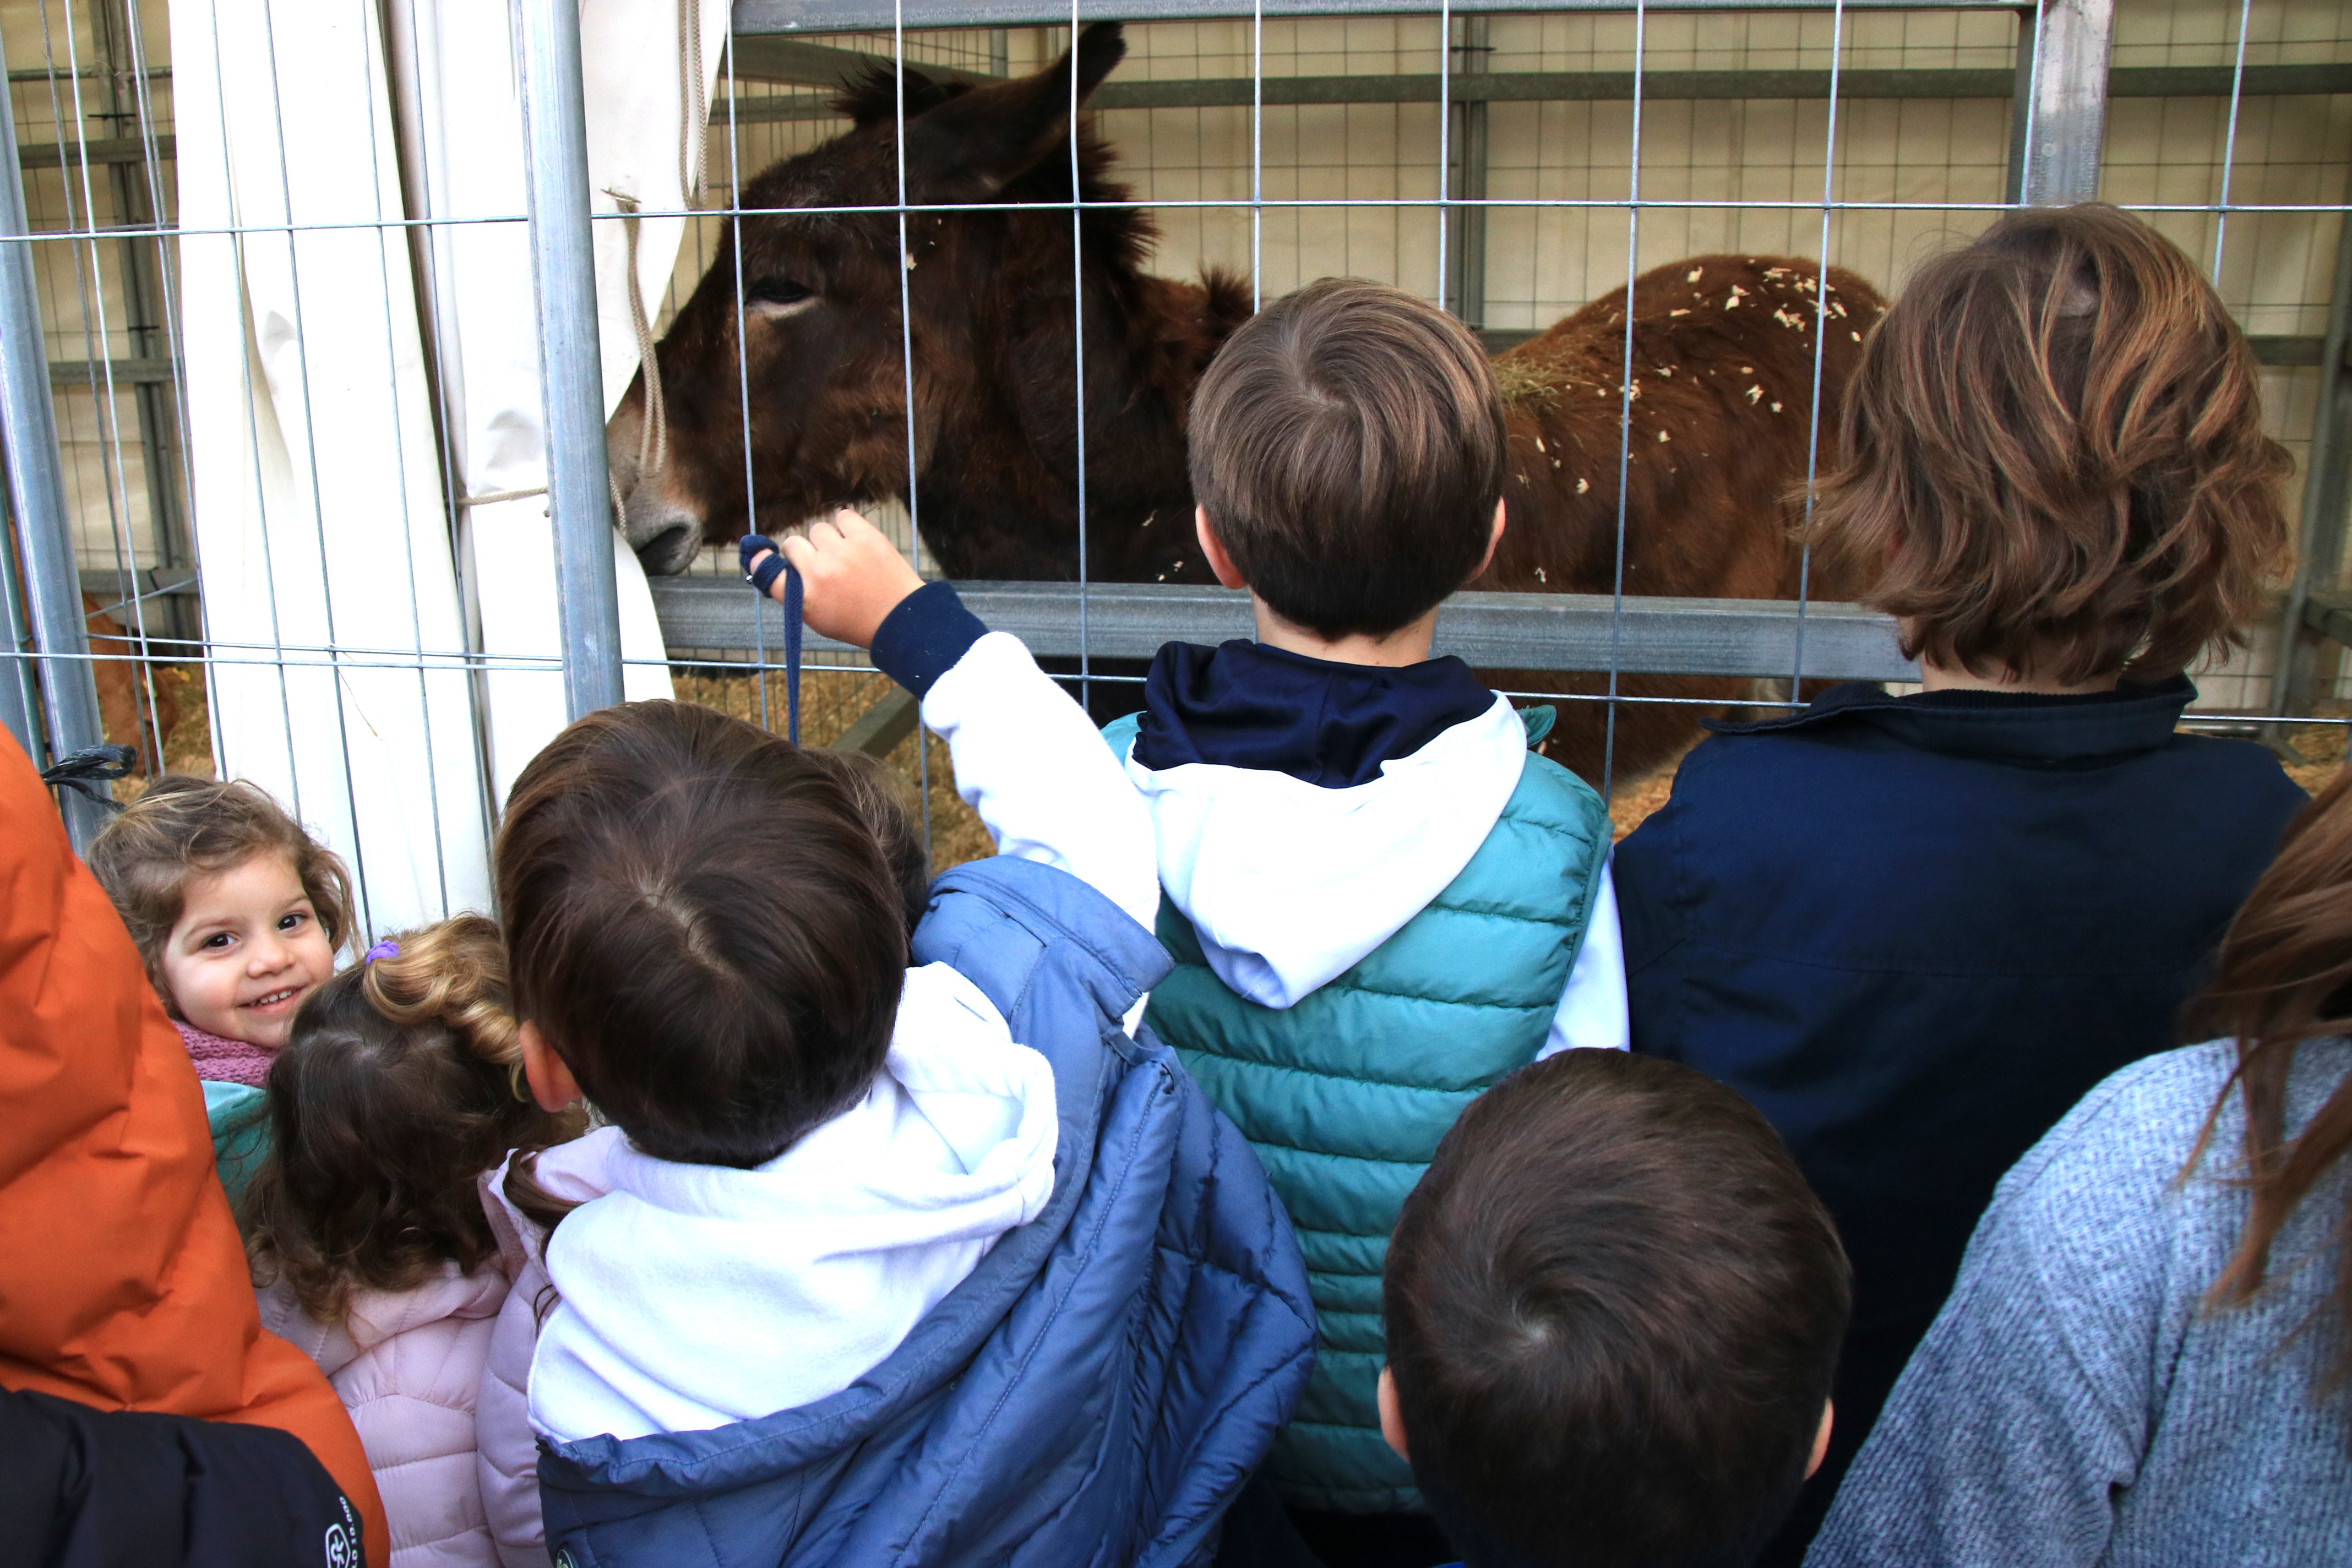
x=1346, y=1095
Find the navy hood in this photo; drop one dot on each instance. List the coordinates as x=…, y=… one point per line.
x=1245, y=705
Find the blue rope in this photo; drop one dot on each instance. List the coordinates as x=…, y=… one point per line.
x=791, y=655
x=761, y=581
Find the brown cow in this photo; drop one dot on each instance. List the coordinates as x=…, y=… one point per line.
x=1723, y=350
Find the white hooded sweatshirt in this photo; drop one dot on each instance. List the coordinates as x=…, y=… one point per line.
x=694, y=1296
x=1289, y=884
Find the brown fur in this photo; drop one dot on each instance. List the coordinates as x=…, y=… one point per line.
x=989, y=294
x=138, y=702
x=1722, y=367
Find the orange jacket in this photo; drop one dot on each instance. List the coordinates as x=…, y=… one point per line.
x=122, y=1283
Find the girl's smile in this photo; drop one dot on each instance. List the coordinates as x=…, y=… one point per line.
x=247, y=950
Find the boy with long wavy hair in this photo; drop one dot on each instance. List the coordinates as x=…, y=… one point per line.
x=1914, y=930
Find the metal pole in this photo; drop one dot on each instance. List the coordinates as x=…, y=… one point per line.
x=2060, y=107
x=1467, y=267
x=36, y=498
x=18, y=701
x=2317, y=554
x=564, y=277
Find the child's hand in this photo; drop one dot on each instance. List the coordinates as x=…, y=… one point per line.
x=852, y=577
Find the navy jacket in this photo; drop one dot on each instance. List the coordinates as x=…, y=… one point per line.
x=82, y=1488
x=1096, y=1392
x=1915, y=931
x=1918, y=929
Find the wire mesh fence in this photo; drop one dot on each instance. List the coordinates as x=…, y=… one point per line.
x=282, y=288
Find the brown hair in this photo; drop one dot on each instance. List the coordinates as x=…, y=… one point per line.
x=2284, y=977
x=1613, y=1311
x=1348, y=444
x=2054, y=455
x=885, y=803
x=703, y=926
x=401, y=1084
x=184, y=827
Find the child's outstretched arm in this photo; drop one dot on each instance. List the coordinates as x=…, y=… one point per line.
x=1026, y=757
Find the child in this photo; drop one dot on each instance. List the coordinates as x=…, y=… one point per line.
x=1378, y=900
x=1914, y=930
x=1613, y=1311
x=401, y=1086
x=928, y=1264
x=2145, y=1359
x=237, y=912
x=144, y=1415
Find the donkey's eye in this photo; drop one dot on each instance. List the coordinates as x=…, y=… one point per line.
x=776, y=295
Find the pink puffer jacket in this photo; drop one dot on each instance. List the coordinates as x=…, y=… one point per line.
x=407, y=1365
x=507, y=1463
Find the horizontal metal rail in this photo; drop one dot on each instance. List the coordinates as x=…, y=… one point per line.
x=99, y=150
x=122, y=372
x=2277, y=350
x=792, y=60
x=2327, y=612
x=114, y=589
x=879, y=16
x=765, y=58
x=1580, y=632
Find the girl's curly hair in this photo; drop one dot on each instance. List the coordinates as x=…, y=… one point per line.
x=402, y=1084
x=185, y=827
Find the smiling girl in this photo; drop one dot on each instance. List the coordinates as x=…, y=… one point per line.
x=237, y=910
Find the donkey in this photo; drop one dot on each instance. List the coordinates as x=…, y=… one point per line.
x=1723, y=350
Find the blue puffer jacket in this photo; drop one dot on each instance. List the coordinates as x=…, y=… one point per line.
x=1100, y=1387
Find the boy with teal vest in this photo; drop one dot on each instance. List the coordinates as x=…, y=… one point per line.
x=1379, y=899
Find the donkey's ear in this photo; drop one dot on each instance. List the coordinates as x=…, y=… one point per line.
x=974, y=145
x=870, y=96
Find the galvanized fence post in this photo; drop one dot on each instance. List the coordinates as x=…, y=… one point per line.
x=2061, y=126
x=37, y=499
x=2319, y=534
x=563, y=276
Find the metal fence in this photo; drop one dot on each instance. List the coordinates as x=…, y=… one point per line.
x=1511, y=164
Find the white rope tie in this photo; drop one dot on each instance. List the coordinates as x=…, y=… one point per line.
x=496, y=496
x=653, y=439
x=694, y=140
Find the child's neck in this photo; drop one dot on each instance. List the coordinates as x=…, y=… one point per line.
x=1934, y=677
x=1409, y=644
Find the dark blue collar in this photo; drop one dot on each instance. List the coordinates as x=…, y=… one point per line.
x=2014, y=726
x=1245, y=705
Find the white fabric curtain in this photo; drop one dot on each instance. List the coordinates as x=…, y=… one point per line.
x=319, y=504
x=457, y=85
x=319, y=510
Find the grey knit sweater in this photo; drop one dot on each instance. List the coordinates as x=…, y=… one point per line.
x=2074, y=1405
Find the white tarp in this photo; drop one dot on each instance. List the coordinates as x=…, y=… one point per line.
x=318, y=504
x=456, y=81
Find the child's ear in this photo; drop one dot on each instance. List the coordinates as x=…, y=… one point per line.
x=1393, y=1418
x=1214, y=553
x=551, y=1083
x=1821, y=1438
x=1494, y=540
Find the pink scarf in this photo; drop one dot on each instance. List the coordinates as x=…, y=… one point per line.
x=225, y=1061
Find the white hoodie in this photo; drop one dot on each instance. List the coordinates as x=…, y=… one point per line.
x=694, y=1296
x=1289, y=884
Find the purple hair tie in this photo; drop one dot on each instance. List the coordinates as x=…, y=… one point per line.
x=387, y=948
